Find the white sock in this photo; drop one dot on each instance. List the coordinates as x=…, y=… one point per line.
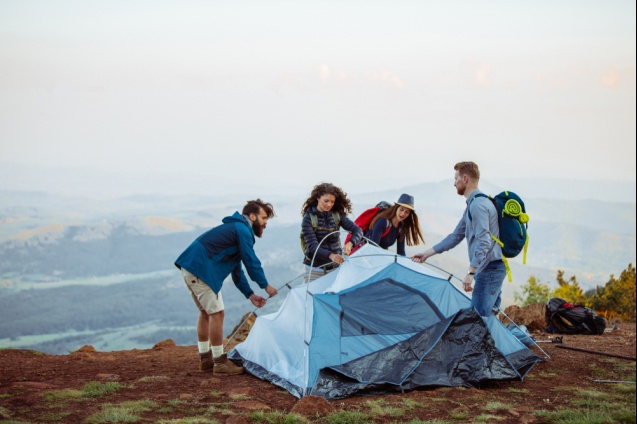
x=204, y=347
x=217, y=351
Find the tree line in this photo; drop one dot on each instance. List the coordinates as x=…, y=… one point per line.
x=614, y=300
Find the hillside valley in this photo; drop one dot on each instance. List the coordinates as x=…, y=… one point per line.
x=76, y=271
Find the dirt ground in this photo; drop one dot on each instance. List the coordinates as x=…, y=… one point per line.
x=168, y=376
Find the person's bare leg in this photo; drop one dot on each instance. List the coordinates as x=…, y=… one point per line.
x=222, y=365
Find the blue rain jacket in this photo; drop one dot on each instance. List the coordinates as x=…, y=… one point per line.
x=219, y=251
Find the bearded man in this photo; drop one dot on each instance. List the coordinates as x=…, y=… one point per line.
x=208, y=261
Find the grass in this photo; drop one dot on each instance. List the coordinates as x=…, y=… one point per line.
x=517, y=390
x=382, y=408
x=597, y=404
x=125, y=412
x=496, y=405
x=348, y=417
x=153, y=378
x=96, y=389
x=276, y=417
x=189, y=420
x=55, y=416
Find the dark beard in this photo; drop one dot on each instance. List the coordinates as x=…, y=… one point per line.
x=460, y=191
x=258, y=230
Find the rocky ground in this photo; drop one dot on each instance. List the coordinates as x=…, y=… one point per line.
x=163, y=384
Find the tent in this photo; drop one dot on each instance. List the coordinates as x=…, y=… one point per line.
x=379, y=323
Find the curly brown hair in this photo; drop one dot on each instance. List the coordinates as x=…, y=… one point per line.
x=408, y=229
x=254, y=206
x=342, y=205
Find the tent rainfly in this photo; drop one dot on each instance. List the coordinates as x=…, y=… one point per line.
x=379, y=324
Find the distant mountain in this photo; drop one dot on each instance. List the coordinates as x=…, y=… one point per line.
x=102, y=269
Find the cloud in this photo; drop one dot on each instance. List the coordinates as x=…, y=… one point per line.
x=610, y=79
x=482, y=75
x=326, y=75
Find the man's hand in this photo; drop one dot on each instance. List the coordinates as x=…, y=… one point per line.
x=257, y=301
x=347, y=249
x=271, y=291
x=467, y=282
x=422, y=257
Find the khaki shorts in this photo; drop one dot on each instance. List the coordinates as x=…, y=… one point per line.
x=205, y=298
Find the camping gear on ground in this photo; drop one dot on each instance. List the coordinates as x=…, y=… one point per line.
x=513, y=223
x=556, y=339
x=569, y=318
x=379, y=323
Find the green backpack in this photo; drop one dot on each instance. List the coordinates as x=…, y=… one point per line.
x=337, y=220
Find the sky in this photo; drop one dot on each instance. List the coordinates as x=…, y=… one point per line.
x=212, y=95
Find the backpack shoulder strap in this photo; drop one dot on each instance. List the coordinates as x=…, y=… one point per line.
x=314, y=220
x=337, y=219
x=470, y=201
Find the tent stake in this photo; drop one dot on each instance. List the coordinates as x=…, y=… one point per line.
x=579, y=349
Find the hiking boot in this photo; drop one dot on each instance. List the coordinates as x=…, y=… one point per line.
x=223, y=366
x=206, y=363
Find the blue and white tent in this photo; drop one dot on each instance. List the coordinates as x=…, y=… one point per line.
x=379, y=323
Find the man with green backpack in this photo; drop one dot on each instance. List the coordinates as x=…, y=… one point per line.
x=479, y=226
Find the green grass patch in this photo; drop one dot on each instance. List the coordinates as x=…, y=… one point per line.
x=459, y=415
x=5, y=395
x=189, y=420
x=348, y=417
x=96, y=389
x=240, y=396
x=153, y=379
x=125, y=412
x=224, y=408
x=428, y=422
x=490, y=406
x=485, y=418
x=55, y=416
x=382, y=408
x=517, y=390
x=216, y=394
x=277, y=417
x=412, y=404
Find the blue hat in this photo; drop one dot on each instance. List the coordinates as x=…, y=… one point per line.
x=406, y=200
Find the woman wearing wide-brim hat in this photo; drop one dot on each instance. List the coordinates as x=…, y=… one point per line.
x=397, y=224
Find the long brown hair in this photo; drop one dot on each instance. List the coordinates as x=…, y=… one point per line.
x=408, y=230
x=342, y=205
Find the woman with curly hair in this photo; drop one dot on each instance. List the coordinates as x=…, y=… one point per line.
x=396, y=224
x=324, y=213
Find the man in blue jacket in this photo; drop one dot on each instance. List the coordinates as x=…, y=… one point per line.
x=206, y=263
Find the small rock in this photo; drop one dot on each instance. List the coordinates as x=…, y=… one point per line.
x=312, y=406
x=86, y=349
x=185, y=396
x=165, y=343
x=107, y=377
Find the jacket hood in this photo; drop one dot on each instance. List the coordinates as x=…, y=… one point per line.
x=236, y=217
